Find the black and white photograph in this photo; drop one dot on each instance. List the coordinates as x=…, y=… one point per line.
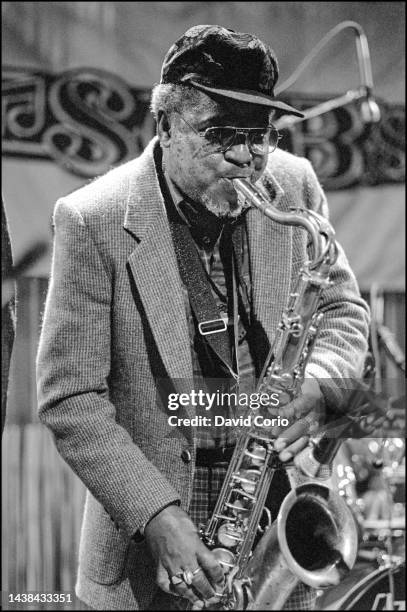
x=203, y=306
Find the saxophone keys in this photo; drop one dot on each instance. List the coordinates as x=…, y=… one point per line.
x=244, y=494
x=225, y=558
x=229, y=535
x=257, y=454
x=248, y=479
x=240, y=508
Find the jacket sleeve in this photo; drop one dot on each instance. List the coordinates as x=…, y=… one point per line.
x=73, y=365
x=340, y=350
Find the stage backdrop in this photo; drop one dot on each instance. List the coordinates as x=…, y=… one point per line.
x=60, y=59
x=76, y=81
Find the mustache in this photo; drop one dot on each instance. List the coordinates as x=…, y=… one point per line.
x=241, y=175
x=251, y=177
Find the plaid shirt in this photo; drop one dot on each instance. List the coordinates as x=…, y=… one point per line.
x=208, y=241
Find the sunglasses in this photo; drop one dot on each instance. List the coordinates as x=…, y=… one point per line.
x=259, y=140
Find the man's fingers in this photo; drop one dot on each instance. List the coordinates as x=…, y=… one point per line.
x=187, y=593
x=173, y=583
x=294, y=432
x=162, y=579
x=310, y=398
x=180, y=588
x=293, y=449
x=212, y=569
x=202, y=586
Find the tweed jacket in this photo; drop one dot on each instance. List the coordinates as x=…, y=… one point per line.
x=115, y=325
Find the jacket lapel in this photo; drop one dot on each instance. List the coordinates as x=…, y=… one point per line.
x=154, y=267
x=270, y=247
x=155, y=270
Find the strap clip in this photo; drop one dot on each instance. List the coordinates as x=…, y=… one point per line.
x=214, y=326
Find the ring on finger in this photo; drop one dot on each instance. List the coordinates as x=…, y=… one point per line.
x=176, y=579
x=188, y=575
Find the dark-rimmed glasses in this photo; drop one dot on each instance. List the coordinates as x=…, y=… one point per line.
x=259, y=140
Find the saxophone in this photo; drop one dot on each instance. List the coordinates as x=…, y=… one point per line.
x=313, y=538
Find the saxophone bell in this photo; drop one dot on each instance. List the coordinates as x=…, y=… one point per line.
x=313, y=540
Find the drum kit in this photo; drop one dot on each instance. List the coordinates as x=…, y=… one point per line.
x=377, y=581
x=370, y=475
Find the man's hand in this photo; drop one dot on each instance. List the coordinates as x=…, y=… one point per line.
x=304, y=413
x=174, y=543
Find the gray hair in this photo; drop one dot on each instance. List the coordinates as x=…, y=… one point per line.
x=172, y=98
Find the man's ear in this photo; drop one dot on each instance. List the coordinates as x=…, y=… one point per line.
x=163, y=129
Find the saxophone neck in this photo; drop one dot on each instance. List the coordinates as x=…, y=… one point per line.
x=318, y=227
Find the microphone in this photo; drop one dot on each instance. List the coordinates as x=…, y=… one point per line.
x=369, y=109
x=366, y=410
x=315, y=461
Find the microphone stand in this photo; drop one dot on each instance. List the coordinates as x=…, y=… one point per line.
x=369, y=109
x=390, y=562
x=377, y=308
x=353, y=95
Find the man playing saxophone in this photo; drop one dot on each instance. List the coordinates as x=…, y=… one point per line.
x=163, y=275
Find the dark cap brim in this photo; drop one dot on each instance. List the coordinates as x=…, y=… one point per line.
x=245, y=95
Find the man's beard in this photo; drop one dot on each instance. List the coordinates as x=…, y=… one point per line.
x=221, y=207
